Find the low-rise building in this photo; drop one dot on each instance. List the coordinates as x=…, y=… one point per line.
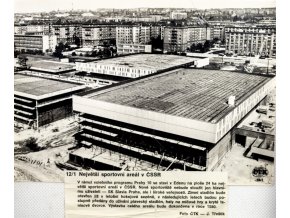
x=134, y=66
x=40, y=101
x=133, y=48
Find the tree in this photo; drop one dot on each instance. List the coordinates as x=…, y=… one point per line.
x=22, y=61
x=192, y=48
x=16, y=53
x=94, y=53
x=206, y=46
x=58, y=50
x=77, y=41
x=31, y=143
x=199, y=47
x=107, y=52
x=157, y=43
x=113, y=42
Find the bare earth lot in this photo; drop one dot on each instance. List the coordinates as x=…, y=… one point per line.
x=40, y=165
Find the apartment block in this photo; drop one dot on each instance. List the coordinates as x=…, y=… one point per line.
x=32, y=29
x=136, y=34
x=175, y=39
x=94, y=35
x=178, y=15
x=66, y=33
x=251, y=40
x=178, y=39
x=217, y=32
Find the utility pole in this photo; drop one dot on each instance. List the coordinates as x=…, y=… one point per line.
x=268, y=66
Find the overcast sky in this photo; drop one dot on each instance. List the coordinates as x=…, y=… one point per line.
x=49, y=5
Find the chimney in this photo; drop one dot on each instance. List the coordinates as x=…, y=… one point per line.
x=231, y=101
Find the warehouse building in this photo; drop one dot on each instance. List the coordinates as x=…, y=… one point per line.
x=181, y=119
x=138, y=65
x=40, y=101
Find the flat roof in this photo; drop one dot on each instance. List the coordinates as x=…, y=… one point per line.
x=190, y=93
x=38, y=86
x=51, y=66
x=148, y=61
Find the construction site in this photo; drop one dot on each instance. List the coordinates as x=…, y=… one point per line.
x=39, y=101
x=178, y=120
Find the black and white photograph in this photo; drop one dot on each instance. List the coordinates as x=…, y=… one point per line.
x=181, y=85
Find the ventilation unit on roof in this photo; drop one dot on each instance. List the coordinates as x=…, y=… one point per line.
x=231, y=101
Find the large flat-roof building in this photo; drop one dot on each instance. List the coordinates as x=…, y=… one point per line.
x=40, y=101
x=181, y=119
x=138, y=65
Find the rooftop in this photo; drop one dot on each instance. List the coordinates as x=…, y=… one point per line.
x=190, y=93
x=38, y=86
x=148, y=61
x=51, y=66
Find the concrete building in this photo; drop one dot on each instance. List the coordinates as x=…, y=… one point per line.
x=251, y=40
x=175, y=39
x=94, y=35
x=217, y=32
x=20, y=29
x=134, y=66
x=157, y=30
x=197, y=34
x=178, y=15
x=40, y=101
x=178, y=39
x=52, y=67
x=133, y=34
x=29, y=29
x=35, y=42
x=181, y=119
x=133, y=48
x=67, y=33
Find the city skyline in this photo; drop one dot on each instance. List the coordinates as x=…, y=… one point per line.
x=30, y=6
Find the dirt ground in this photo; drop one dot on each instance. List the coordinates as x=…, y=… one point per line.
x=240, y=168
x=40, y=165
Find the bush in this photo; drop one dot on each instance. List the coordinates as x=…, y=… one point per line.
x=55, y=129
x=31, y=143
